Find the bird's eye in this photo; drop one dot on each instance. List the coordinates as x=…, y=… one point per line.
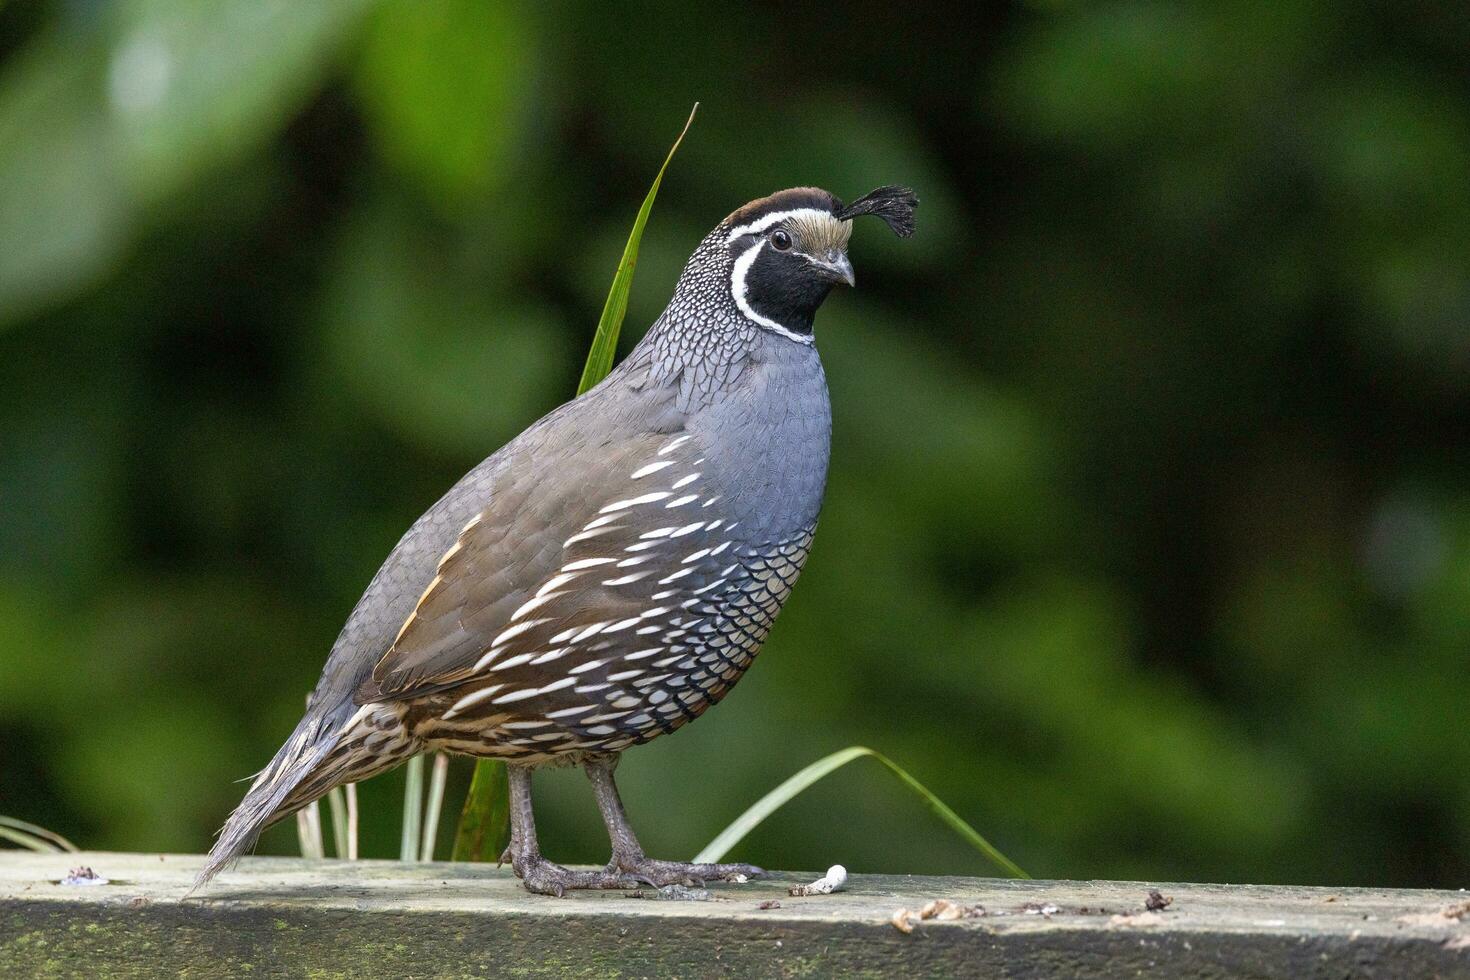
x=781, y=241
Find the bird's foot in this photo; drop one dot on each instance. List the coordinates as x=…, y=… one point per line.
x=542, y=877
x=661, y=873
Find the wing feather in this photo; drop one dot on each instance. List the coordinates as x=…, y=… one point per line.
x=533, y=565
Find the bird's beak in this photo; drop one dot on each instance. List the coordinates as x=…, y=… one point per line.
x=836, y=266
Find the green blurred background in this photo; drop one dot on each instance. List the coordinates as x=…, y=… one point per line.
x=1147, y=542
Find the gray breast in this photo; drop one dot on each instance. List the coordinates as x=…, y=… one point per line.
x=664, y=593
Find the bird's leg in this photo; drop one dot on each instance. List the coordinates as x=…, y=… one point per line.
x=627, y=854
x=536, y=873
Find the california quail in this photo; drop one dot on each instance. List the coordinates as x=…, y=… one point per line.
x=612, y=571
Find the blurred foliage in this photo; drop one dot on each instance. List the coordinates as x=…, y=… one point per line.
x=1147, y=543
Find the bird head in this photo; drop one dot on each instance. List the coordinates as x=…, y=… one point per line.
x=784, y=253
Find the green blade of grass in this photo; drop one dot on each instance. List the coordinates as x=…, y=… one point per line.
x=413, y=809
x=477, y=819
x=605, y=341
x=52, y=840
x=438, y=776
x=309, y=831
x=29, y=842
x=351, y=792
x=783, y=794
x=484, y=824
x=438, y=782
x=337, y=807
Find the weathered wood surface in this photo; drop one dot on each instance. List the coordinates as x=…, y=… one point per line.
x=287, y=917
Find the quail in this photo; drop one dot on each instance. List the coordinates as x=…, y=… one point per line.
x=613, y=570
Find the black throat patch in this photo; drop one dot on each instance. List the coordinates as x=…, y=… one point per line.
x=783, y=286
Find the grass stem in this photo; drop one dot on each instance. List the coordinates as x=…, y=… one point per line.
x=437, y=779
x=413, y=809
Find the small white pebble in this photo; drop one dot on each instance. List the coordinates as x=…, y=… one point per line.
x=833, y=881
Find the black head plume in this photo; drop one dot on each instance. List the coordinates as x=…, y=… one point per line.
x=894, y=204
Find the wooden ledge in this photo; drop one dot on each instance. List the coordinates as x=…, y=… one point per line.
x=290, y=917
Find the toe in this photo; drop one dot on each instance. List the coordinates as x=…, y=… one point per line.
x=537, y=885
x=662, y=873
x=636, y=880
x=742, y=870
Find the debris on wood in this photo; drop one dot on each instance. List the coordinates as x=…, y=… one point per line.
x=674, y=893
x=1439, y=919
x=82, y=877
x=1156, y=902
x=1132, y=919
x=941, y=908
x=833, y=881
x=769, y=904
x=932, y=910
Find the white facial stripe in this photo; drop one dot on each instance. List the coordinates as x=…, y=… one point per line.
x=737, y=290
x=800, y=338
x=775, y=217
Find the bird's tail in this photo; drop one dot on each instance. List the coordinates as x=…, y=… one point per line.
x=324, y=751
